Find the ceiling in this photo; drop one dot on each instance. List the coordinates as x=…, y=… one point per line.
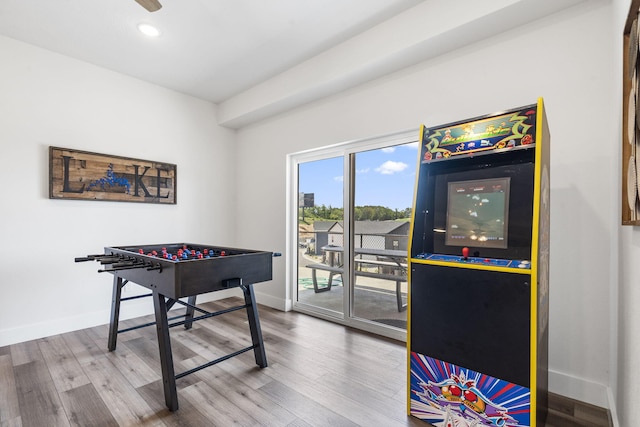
x=211, y=49
x=259, y=58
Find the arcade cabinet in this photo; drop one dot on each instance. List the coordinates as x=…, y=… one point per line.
x=479, y=277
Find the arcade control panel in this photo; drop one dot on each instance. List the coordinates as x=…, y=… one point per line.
x=464, y=258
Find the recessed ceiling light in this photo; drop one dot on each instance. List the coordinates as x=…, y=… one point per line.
x=148, y=30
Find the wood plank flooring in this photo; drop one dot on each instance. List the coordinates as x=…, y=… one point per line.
x=319, y=374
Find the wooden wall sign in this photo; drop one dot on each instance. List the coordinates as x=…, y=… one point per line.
x=631, y=118
x=82, y=175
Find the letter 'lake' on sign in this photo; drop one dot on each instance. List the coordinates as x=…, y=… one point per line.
x=81, y=175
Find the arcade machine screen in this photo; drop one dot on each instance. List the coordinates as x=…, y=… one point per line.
x=477, y=213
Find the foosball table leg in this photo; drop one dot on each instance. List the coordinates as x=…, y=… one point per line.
x=115, y=312
x=190, y=310
x=166, y=357
x=254, y=325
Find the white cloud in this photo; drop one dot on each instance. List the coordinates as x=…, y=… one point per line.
x=338, y=178
x=390, y=167
x=366, y=170
x=389, y=149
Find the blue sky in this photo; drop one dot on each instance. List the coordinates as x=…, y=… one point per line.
x=384, y=177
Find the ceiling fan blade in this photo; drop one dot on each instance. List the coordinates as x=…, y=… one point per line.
x=150, y=5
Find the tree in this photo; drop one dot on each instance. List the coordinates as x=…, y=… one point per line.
x=361, y=213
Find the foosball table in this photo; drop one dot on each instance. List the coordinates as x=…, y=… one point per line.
x=184, y=270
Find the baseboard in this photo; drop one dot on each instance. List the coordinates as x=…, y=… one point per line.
x=264, y=299
x=579, y=389
x=72, y=323
x=274, y=302
x=128, y=310
x=613, y=408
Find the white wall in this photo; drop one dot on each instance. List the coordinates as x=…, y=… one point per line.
x=628, y=361
x=51, y=100
x=545, y=58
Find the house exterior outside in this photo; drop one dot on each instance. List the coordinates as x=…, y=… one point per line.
x=367, y=234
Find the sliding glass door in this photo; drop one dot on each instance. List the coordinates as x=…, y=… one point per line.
x=319, y=225
x=383, y=195
x=352, y=205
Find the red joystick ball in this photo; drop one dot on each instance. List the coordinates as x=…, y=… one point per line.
x=465, y=252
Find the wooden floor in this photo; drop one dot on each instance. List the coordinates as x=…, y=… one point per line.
x=319, y=374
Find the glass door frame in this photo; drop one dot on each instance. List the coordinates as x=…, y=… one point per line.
x=347, y=151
